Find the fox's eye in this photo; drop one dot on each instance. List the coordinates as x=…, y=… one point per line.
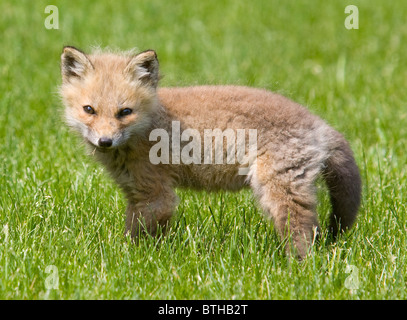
x=125, y=112
x=89, y=109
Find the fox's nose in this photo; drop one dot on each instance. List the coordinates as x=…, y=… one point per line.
x=105, y=142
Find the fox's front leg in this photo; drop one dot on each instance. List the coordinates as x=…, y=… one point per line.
x=145, y=215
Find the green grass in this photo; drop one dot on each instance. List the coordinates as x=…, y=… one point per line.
x=57, y=207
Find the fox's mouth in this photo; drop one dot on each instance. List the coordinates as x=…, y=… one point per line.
x=104, y=149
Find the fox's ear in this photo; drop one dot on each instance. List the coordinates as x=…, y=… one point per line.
x=144, y=67
x=74, y=64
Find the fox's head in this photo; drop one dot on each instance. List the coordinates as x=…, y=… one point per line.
x=109, y=97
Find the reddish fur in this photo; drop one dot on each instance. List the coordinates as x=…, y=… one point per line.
x=294, y=146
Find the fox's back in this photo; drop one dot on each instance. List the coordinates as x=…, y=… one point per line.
x=233, y=107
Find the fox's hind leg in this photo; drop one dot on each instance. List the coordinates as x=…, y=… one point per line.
x=288, y=197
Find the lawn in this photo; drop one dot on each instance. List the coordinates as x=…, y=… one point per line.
x=62, y=218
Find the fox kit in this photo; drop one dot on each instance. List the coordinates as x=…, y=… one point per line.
x=113, y=101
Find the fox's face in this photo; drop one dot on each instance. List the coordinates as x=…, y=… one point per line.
x=108, y=98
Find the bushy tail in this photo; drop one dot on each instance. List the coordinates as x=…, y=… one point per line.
x=343, y=180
